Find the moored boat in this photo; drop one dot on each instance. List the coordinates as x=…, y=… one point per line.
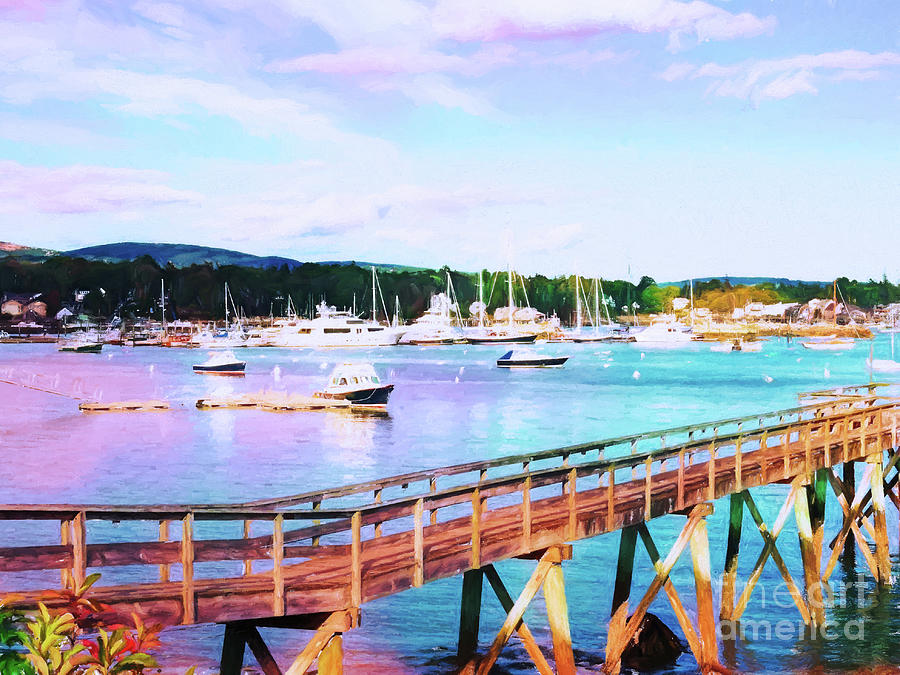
x=528, y=358
x=357, y=383
x=221, y=363
x=831, y=345
x=81, y=346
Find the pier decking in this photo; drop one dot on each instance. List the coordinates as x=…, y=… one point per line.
x=324, y=554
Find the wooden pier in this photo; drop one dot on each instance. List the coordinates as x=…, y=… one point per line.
x=313, y=560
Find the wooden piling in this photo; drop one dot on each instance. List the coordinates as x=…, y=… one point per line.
x=469, y=615
x=729, y=578
x=709, y=651
x=558, y=617
x=621, y=591
x=882, y=553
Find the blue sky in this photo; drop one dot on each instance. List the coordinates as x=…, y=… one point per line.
x=672, y=138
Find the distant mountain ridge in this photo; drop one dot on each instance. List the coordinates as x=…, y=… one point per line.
x=185, y=255
x=743, y=281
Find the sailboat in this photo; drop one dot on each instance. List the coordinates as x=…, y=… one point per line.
x=500, y=334
x=229, y=336
x=436, y=326
x=883, y=365
x=831, y=343
x=596, y=335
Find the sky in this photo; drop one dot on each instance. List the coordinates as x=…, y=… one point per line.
x=658, y=137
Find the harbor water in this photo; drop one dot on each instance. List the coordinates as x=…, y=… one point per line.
x=451, y=404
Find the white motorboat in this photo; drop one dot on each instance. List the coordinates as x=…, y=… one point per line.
x=724, y=346
x=334, y=328
x=436, y=326
x=357, y=383
x=528, y=358
x=830, y=345
x=221, y=363
x=664, y=332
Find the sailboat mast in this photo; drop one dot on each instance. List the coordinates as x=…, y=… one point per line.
x=605, y=304
x=596, y=305
x=578, y=316
x=226, y=305
x=374, y=306
x=692, y=303
x=834, y=303
x=480, y=300
x=162, y=301
x=510, y=293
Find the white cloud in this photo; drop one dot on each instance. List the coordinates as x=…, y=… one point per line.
x=758, y=80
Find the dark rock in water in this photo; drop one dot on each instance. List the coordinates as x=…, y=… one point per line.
x=653, y=646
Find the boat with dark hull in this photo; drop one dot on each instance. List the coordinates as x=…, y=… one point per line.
x=500, y=337
x=82, y=347
x=527, y=358
x=221, y=363
x=358, y=384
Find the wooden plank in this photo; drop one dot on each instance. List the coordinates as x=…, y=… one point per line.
x=188, y=600
x=526, y=515
x=648, y=471
x=811, y=573
x=572, y=506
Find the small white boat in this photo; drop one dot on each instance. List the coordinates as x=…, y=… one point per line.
x=221, y=363
x=751, y=346
x=883, y=365
x=724, y=346
x=528, y=358
x=357, y=383
x=830, y=345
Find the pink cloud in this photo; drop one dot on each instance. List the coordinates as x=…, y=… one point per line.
x=84, y=189
x=472, y=20
x=29, y=10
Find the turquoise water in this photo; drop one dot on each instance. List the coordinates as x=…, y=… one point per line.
x=450, y=405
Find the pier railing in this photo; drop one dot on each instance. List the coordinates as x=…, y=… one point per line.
x=371, y=542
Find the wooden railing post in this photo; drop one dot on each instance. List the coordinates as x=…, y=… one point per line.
x=526, y=514
x=377, y=532
x=432, y=488
x=356, y=559
x=187, y=569
x=278, y=600
x=573, y=512
x=79, y=549
x=476, y=529
x=248, y=562
x=648, y=472
x=65, y=528
x=419, y=544
x=164, y=537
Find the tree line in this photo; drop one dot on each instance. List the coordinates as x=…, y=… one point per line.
x=132, y=289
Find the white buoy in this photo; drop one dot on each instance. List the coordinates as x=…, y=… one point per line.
x=462, y=369
x=456, y=380
x=636, y=375
x=642, y=356
x=322, y=366
x=276, y=373
x=152, y=368
x=606, y=365
x=767, y=379
x=827, y=373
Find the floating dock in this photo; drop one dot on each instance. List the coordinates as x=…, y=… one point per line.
x=276, y=402
x=125, y=406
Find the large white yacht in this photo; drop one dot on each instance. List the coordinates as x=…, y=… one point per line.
x=334, y=328
x=436, y=326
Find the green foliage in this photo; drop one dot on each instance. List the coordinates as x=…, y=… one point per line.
x=132, y=289
x=51, y=642
x=12, y=641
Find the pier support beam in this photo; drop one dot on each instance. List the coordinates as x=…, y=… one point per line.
x=704, y=646
x=729, y=578
x=848, y=476
x=325, y=645
x=548, y=575
x=809, y=509
x=469, y=615
x=882, y=552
